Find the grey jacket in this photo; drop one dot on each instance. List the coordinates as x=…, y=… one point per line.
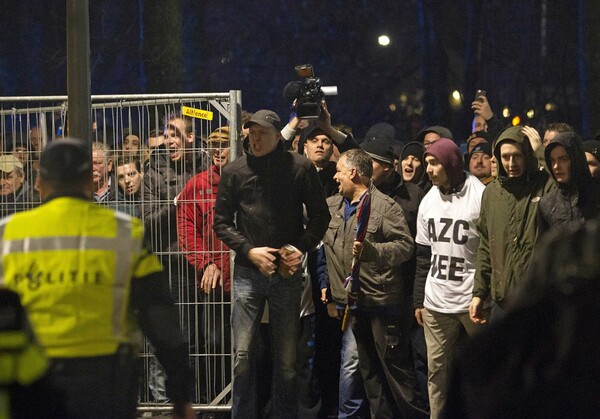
x=387, y=245
x=163, y=180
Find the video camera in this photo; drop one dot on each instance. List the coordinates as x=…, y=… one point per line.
x=308, y=92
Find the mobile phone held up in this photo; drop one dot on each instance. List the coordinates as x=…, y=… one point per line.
x=478, y=95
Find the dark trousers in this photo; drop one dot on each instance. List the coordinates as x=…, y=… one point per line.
x=98, y=387
x=309, y=395
x=497, y=312
x=328, y=344
x=216, y=343
x=386, y=364
x=419, y=349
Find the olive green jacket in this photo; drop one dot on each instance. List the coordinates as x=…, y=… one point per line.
x=508, y=223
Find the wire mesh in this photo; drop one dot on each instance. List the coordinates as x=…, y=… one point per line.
x=127, y=129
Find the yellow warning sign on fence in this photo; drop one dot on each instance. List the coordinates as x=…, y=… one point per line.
x=197, y=113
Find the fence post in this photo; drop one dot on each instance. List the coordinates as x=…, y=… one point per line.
x=78, y=71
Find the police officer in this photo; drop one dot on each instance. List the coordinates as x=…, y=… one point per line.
x=25, y=386
x=87, y=280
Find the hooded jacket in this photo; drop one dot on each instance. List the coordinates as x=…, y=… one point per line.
x=508, y=222
x=576, y=201
x=261, y=200
x=417, y=149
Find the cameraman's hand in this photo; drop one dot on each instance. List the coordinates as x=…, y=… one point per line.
x=482, y=107
x=324, y=120
x=294, y=121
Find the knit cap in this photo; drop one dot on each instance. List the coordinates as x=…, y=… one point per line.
x=451, y=158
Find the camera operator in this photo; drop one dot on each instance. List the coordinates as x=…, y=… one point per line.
x=318, y=138
x=343, y=141
x=307, y=98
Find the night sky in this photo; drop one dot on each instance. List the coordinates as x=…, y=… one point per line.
x=523, y=53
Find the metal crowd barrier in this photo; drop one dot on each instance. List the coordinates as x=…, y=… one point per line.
x=28, y=123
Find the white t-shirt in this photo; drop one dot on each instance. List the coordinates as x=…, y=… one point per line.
x=448, y=223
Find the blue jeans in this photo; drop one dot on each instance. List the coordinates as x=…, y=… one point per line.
x=251, y=290
x=353, y=400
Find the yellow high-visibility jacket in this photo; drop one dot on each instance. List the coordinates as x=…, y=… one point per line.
x=72, y=262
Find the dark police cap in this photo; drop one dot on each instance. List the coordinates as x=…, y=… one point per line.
x=65, y=159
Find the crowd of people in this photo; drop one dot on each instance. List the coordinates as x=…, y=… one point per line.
x=448, y=238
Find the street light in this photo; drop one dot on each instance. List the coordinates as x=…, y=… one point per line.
x=455, y=100
x=383, y=40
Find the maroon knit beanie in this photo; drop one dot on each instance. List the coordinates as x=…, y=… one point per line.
x=451, y=158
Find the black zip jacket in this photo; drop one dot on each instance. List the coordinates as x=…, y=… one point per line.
x=575, y=201
x=261, y=202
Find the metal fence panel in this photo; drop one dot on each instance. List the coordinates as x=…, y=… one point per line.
x=28, y=123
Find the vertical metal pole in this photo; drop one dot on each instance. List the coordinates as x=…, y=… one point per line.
x=235, y=138
x=78, y=71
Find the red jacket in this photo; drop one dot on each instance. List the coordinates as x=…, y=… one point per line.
x=195, y=212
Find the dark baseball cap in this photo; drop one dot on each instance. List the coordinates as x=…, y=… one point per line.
x=480, y=134
x=65, y=159
x=443, y=132
x=265, y=118
x=380, y=150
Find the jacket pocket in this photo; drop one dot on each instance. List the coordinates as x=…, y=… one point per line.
x=333, y=230
x=377, y=267
x=374, y=226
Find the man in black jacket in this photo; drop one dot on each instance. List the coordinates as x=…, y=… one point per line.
x=259, y=215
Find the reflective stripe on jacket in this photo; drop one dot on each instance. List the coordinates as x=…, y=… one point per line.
x=72, y=262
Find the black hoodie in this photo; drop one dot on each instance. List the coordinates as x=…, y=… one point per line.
x=576, y=201
x=416, y=149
